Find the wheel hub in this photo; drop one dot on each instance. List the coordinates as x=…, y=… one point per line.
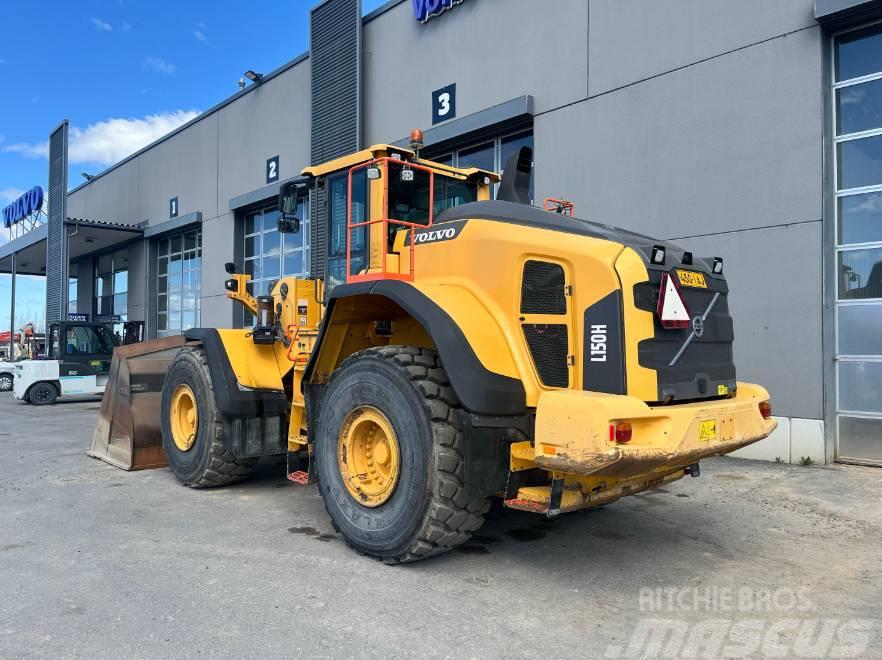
x=368, y=456
x=184, y=417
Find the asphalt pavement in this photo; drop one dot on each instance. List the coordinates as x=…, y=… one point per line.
x=750, y=559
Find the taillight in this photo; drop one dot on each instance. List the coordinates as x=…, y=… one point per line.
x=620, y=432
x=765, y=408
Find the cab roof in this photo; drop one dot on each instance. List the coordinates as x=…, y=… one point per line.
x=383, y=150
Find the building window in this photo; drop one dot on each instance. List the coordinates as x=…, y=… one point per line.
x=857, y=127
x=112, y=288
x=178, y=290
x=490, y=155
x=72, y=294
x=269, y=255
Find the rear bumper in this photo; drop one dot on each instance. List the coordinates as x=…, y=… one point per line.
x=573, y=431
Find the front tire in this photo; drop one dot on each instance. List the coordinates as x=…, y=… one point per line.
x=193, y=428
x=5, y=382
x=407, y=394
x=42, y=394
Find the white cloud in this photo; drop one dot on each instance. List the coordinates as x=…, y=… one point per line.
x=10, y=194
x=200, y=35
x=39, y=150
x=2, y=61
x=100, y=25
x=158, y=65
x=125, y=27
x=109, y=141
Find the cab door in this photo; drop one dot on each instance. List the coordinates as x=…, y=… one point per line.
x=338, y=207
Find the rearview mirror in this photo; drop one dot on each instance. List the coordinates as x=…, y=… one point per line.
x=288, y=225
x=290, y=195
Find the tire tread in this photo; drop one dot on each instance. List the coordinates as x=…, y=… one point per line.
x=451, y=515
x=222, y=467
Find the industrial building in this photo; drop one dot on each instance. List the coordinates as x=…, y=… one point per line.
x=748, y=130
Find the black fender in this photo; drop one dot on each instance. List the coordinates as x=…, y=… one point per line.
x=480, y=390
x=232, y=401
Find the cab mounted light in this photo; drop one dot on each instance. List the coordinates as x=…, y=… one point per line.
x=373, y=173
x=718, y=266
x=658, y=255
x=407, y=174
x=416, y=141
x=687, y=258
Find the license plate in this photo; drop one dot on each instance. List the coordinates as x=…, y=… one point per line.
x=707, y=430
x=695, y=280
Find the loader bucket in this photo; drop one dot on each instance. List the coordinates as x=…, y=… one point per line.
x=128, y=434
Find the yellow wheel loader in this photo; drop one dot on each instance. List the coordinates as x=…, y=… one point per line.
x=451, y=348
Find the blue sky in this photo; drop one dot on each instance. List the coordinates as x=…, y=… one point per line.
x=124, y=72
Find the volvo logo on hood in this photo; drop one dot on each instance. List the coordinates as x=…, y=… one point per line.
x=443, y=232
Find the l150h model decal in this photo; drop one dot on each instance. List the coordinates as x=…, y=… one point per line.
x=603, y=355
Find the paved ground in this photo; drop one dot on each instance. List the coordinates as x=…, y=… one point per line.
x=751, y=558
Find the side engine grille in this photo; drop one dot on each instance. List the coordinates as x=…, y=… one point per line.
x=542, y=289
x=549, y=346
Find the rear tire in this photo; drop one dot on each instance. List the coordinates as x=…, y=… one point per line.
x=42, y=394
x=5, y=382
x=430, y=510
x=206, y=463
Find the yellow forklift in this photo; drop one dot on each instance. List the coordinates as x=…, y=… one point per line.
x=449, y=349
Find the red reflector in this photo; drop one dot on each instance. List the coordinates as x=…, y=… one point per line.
x=623, y=432
x=672, y=310
x=612, y=432
x=765, y=409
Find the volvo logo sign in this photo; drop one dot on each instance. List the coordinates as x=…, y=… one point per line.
x=698, y=326
x=21, y=208
x=426, y=9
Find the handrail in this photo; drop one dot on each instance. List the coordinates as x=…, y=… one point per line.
x=385, y=220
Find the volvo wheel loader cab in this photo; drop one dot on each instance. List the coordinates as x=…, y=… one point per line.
x=453, y=348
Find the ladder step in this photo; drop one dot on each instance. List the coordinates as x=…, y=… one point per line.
x=299, y=477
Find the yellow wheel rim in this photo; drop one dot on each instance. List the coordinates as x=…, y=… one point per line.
x=184, y=417
x=368, y=456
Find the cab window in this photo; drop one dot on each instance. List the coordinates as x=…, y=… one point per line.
x=88, y=340
x=409, y=200
x=338, y=204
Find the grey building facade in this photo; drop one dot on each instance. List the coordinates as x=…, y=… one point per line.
x=748, y=129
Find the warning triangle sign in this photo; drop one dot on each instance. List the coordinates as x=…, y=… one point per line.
x=672, y=311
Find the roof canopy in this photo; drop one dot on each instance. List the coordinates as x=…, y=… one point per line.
x=84, y=236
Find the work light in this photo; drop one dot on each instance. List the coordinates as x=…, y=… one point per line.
x=658, y=254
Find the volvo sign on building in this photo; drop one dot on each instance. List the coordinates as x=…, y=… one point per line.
x=426, y=9
x=24, y=206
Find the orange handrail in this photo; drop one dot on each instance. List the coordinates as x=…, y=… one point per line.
x=385, y=220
